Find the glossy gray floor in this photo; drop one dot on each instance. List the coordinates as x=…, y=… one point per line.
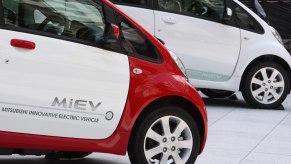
x=237, y=135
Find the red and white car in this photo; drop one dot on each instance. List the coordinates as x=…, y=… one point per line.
x=80, y=76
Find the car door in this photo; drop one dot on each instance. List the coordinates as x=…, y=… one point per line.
x=193, y=29
x=58, y=76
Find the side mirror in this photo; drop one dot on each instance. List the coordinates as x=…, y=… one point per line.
x=228, y=14
x=112, y=33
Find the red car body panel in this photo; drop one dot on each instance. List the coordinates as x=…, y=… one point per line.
x=156, y=81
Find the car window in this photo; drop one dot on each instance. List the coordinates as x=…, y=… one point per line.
x=136, y=44
x=11, y=11
x=39, y=17
x=130, y=2
x=79, y=19
x=210, y=9
x=245, y=21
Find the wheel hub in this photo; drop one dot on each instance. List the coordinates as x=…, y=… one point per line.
x=267, y=85
x=173, y=144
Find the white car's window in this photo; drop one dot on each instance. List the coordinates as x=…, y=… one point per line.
x=79, y=19
x=245, y=21
x=11, y=11
x=84, y=11
x=38, y=17
x=212, y=9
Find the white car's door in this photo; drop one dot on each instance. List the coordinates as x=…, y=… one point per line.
x=193, y=30
x=61, y=88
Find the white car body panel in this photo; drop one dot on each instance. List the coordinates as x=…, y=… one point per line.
x=254, y=46
x=143, y=16
x=223, y=71
x=32, y=79
x=200, y=43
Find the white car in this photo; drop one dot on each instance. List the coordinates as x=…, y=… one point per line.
x=224, y=45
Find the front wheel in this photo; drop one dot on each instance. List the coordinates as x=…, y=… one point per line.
x=166, y=135
x=266, y=85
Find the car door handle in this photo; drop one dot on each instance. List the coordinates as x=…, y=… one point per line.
x=170, y=20
x=18, y=43
x=246, y=38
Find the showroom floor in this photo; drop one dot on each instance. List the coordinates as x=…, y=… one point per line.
x=237, y=135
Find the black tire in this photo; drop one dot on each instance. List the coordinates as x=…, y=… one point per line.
x=136, y=146
x=213, y=93
x=248, y=86
x=67, y=155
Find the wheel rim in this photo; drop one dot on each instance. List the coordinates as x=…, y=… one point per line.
x=267, y=85
x=168, y=141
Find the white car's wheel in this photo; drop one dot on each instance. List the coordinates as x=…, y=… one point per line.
x=168, y=135
x=266, y=85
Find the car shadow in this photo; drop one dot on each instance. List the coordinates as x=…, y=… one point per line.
x=232, y=103
x=225, y=103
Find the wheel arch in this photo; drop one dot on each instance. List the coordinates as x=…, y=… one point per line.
x=263, y=58
x=187, y=105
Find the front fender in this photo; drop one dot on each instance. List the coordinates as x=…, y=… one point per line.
x=260, y=49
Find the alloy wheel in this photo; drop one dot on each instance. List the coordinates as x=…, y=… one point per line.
x=168, y=141
x=267, y=85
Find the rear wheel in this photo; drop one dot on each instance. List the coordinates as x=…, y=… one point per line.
x=266, y=85
x=168, y=135
x=214, y=93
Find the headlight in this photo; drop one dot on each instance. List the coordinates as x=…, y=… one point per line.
x=179, y=63
x=277, y=35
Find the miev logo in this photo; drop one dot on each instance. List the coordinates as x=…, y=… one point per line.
x=76, y=104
